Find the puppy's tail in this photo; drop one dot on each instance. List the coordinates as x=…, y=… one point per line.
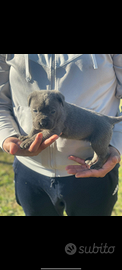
x=113, y=120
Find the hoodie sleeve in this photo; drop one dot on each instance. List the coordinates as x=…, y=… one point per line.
x=8, y=126
x=116, y=140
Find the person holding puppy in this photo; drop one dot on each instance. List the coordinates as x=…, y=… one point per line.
x=52, y=176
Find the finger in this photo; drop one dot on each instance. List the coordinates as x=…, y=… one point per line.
x=110, y=164
x=13, y=149
x=49, y=141
x=75, y=167
x=77, y=159
x=89, y=173
x=114, y=160
x=72, y=171
x=35, y=145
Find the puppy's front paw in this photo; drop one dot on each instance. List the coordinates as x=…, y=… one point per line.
x=26, y=143
x=96, y=166
x=23, y=138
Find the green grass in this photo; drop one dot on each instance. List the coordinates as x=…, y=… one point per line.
x=8, y=205
x=118, y=207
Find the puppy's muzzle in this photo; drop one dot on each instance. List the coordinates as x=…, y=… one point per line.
x=44, y=123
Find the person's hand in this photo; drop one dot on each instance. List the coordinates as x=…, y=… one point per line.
x=12, y=145
x=83, y=170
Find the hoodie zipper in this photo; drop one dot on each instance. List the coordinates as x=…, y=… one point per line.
x=53, y=72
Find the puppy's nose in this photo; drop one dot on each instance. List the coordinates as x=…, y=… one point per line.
x=44, y=122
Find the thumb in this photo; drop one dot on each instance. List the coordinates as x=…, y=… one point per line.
x=13, y=148
x=116, y=159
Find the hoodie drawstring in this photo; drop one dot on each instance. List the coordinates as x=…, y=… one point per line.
x=94, y=61
x=27, y=72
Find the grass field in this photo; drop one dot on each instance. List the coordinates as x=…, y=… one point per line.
x=8, y=205
x=118, y=207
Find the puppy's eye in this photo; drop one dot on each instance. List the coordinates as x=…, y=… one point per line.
x=53, y=112
x=34, y=110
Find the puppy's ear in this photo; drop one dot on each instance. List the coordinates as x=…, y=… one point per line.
x=32, y=95
x=60, y=98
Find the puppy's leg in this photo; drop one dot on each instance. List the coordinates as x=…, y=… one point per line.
x=100, y=145
x=102, y=158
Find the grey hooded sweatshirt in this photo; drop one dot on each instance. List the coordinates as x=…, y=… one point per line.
x=89, y=80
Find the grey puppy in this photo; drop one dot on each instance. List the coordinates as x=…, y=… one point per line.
x=53, y=115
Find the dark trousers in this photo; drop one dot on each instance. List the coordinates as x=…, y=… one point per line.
x=40, y=195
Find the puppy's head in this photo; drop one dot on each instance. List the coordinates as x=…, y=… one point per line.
x=46, y=107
